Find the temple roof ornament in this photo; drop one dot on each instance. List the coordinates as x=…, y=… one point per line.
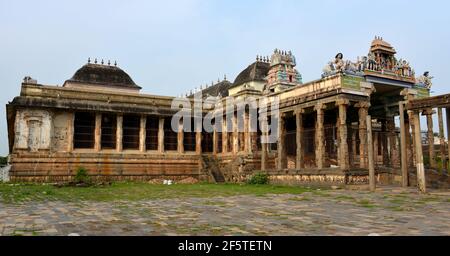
x=339, y=65
x=425, y=80
x=380, y=61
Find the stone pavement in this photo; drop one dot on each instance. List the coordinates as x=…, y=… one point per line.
x=390, y=211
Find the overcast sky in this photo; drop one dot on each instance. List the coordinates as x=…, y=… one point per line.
x=169, y=47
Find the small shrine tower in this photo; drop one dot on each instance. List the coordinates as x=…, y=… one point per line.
x=282, y=73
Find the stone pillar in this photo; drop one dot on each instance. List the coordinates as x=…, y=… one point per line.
x=198, y=142
x=319, y=136
x=180, y=138
x=224, y=136
x=403, y=145
x=98, y=132
x=282, y=161
x=161, y=135
x=119, y=133
x=370, y=154
x=392, y=137
x=447, y=113
x=70, y=131
x=419, y=156
x=215, y=140
x=408, y=142
x=413, y=138
x=384, y=143
x=343, y=144
x=143, y=133
x=264, y=128
x=375, y=139
x=430, y=135
x=247, y=139
x=363, y=110
x=299, y=160
x=442, y=139
x=235, y=134
x=253, y=131
x=352, y=163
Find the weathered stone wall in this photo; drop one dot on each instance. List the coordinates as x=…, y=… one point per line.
x=59, y=137
x=39, y=167
x=33, y=129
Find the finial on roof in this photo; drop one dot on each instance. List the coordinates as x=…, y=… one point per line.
x=218, y=80
x=225, y=77
x=102, y=62
x=115, y=63
x=257, y=57
x=89, y=60
x=109, y=62
x=95, y=61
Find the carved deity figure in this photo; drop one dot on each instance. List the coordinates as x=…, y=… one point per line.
x=425, y=80
x=372, y=61
x=339, y=62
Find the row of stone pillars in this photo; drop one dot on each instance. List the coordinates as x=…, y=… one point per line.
x=245, y=141
x=343, y=154
x=411, y=146
x=142, y=134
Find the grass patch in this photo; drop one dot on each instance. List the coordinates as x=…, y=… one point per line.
x=365, y=203
x=133, y=191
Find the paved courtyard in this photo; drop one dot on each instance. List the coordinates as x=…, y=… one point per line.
x=390, y=211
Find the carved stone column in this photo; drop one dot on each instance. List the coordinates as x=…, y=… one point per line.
x=282, y=161
x=253, y=132
x=215, y=140
x=343, y=144
x=235, y=134
x=142, y=133
x=70, y=131
x=419, y=156
x=392, y=137
x=413, y=137
x=403, y=144
x=180, y=138
x=224, y=136
x=384, y=143
x=442, y=139
x=363, y=110
x=319, y=136
x=198, y=142
x=352, y=163
x=264, y=128
x=247, y=139
x=98, y=132
x=430, y=135
x=299, y=160
x=119, y=133
x=161, y=135
x=447, y=113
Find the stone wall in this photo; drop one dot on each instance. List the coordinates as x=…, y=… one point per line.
x=33, y=129
x=39, y=167
x=4, y=173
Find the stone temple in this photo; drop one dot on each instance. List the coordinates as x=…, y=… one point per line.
x=99, y=120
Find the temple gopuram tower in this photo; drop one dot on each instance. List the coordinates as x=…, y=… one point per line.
x=282, y=73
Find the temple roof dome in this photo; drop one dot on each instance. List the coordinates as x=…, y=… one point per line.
x=257, y=71
x=105, y=75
